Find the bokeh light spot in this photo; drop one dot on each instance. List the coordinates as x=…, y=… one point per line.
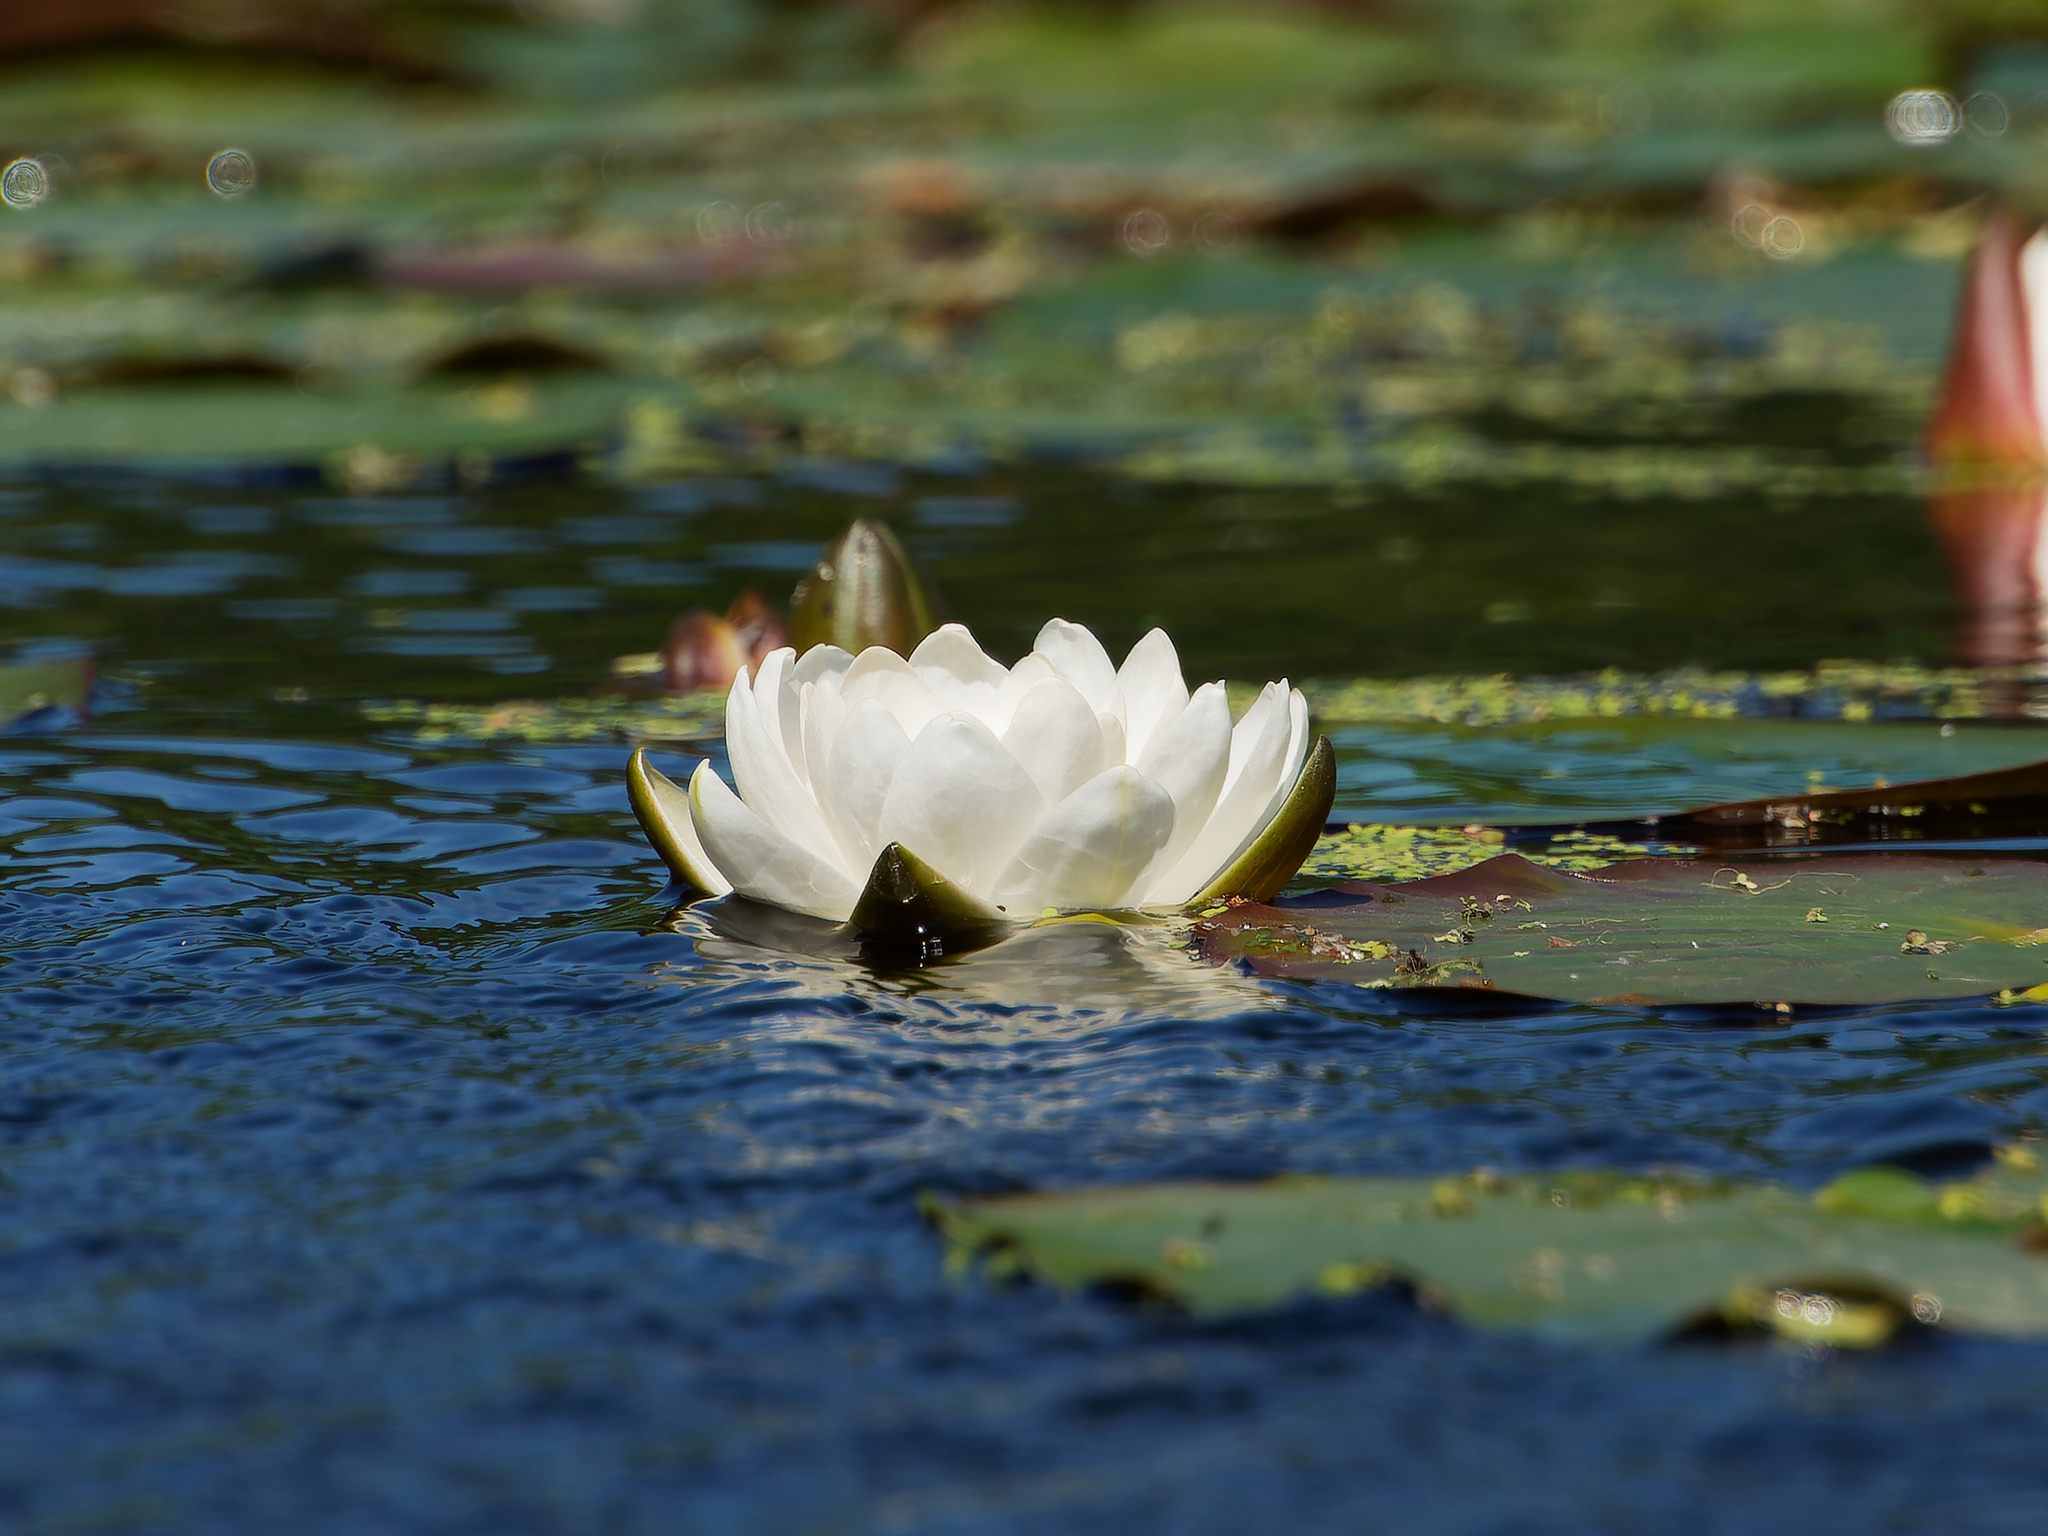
x=24, y=183
x=1923, y=118
x=1985, y=115
x=720, y=223
x=1782, y=238
x=1146, y=232
x=1748, y=223
x=770, y=224
x=231, y=173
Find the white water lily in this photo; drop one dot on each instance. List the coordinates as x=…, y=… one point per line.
x=1064, y=782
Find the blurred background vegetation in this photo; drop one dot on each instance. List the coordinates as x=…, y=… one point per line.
x=1637, y=247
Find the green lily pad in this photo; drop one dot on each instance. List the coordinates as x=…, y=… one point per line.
x=2006, y=802
x=1842, y=929
x=1589, y=1257
x=1588, y=771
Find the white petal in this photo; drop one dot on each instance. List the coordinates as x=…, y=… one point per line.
x=1058, y=739
x=961, y=675
x=1188, y=759
x=759, y=860
x=1290, y=762
x=1028, y=674
x=1080, y=659
x=824, y=712
x=1258, y=752
x=822, y=662
x=776, y=694
x=1091, y=849
x=879, y=673
x=866, y=751
x=1118, y=711
x=1153, y=689
x=765, y=778
x=960, y=801
x=1112, y=727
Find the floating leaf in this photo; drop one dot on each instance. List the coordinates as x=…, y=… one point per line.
x=1599, y=771
x=1665, y=930
x=1582, y=1256
x=2007, y=802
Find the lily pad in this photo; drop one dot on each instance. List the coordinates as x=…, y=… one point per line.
x=1589, y=1257
x=1581, y=771
x=2006, y=802
x=1842, y=929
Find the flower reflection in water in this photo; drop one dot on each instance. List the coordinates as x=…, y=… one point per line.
x=1988, y=437
x=1069, y=973
x=1996, y=539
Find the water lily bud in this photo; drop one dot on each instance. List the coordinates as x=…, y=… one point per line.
x=704, y=651
x=945, y=791
x=1991, y=408
x=759, y=627
x=701, y=651
x=865, y=590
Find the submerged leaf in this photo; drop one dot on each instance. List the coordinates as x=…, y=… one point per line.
x=1595, y=1256
x=29, y=689
x=1662, y=930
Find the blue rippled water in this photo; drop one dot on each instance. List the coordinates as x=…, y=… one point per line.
x=379, y=1154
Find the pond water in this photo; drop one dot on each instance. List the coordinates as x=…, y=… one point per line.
x=378, y=1153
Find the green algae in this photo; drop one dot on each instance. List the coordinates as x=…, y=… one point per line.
x=1847, y=691
x=697, y=717
x=1852, y=691
x=1382, y=853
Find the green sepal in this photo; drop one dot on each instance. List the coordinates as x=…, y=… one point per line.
x=1261, y=870
x=908, y=903
x=663, y=809
x=865, y=590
